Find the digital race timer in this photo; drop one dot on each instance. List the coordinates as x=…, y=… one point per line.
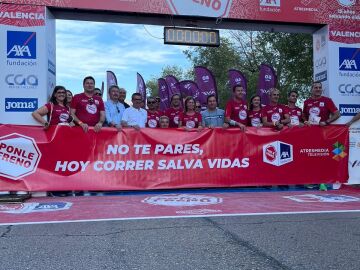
x=191, y=36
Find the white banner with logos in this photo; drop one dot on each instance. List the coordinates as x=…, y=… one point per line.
x=337, y=66
x=27, y=35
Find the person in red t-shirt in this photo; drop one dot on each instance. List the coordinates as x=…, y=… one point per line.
x=174, y=111
x=153, y=115
x=190, y=119
x=319, y=110
x=295, y=113
x=255, y=116
x=57, y=110
x=275, y=114
x=236, y=109
x=87, y=108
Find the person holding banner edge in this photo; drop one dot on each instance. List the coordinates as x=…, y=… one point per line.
x=236, y=109
x=88, y=109
x=319, y=110
x=57, y=110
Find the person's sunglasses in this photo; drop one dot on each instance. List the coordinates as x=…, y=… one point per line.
x=97, y=94
x=91, y=101
x=137, y=99
x=199, y=107
x=151, y=102
x=61, y=92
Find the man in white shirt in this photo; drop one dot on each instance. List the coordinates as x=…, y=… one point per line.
x=114, y=109
x=135, y=116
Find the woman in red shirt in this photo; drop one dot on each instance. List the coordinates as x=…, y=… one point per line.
x=57, y=110
x=255, y=115
x=190, y=119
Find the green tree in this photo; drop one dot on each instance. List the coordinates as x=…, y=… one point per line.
x=178, y=72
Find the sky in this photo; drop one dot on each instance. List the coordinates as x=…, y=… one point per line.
x=91, y=48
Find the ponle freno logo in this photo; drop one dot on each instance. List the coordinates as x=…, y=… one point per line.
x=208, y=8
x=277, y=153
x=19, y=156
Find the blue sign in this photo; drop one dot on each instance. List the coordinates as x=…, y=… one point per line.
x=349, y=59
x=21, y=104
x=21, y=45
x=349, y=109
x=285, y=151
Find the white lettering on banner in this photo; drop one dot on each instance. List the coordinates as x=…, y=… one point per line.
x=228, y=163
x=180, y=164
x=22, y=15
x=71, y=166
x=178, y=149
x=209, y=8
x=115, y=149
x=351, y=34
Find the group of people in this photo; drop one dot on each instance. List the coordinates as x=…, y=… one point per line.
x=88, y=110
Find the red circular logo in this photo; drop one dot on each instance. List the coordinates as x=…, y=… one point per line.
x=270, y=153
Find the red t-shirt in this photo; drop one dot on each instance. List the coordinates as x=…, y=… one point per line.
x=59, y=114
x=274, y=113
x=237, y=111
x=173, y=115
x=153, y=119
x=255, y=118
x=88, y=109
x=295, y=115
x=190, y=121
x=321, y=107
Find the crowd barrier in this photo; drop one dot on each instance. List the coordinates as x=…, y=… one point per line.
x=66, y=158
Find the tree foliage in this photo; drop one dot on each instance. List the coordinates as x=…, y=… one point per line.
x=289, y=54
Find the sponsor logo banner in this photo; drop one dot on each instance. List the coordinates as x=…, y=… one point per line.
x=323, y=198
x=349, y=89
x=209, y=8
x=21, y=104
x=349, y=109
x=22, y=15
x=160, y=159
x=21, y=81
x=321, y=77
x=349, y=59
x=21, y=45
x=26, y=208
x=182, y=200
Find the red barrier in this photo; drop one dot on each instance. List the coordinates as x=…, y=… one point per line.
x=65, y=158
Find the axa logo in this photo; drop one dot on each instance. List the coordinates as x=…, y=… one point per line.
x=339, y=151
x=21, y=81
x=347, y=3
x=19, y=156
x=21, y=104
x=21, y=45
x=349, y=59
x=270, y=3
x=278, y=153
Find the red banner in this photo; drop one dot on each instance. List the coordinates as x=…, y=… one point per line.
x=341, y=14
x=65, y=158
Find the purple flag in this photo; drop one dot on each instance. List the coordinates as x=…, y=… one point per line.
x=163, y=94
x=173, y=84
x=141, y=87
x=110, y=81
x=189, y=88
x=236, y=77
x=206, y=82
x=267, y=80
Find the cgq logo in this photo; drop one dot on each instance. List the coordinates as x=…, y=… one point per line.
x=21, y=81
x=19, y=156
x=182, y=200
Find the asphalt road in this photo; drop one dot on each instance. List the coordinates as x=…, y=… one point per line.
x=301, y=241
